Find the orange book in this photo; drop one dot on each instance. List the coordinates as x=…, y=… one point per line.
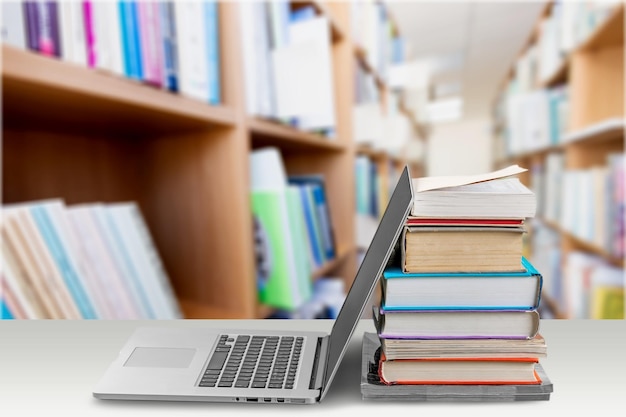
x=458, y=371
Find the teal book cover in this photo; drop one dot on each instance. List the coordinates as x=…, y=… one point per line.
x=461, y=290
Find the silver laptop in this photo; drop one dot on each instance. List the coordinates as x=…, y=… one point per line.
x=255, y=366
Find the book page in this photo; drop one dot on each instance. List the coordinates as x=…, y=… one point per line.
x=433, y=183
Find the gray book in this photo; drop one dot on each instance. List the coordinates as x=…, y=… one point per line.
x=373, y=389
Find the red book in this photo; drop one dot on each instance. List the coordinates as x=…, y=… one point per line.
x=423, y=221
x=458, y=371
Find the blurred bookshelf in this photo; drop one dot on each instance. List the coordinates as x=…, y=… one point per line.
x=560, y=113
x=84, y=133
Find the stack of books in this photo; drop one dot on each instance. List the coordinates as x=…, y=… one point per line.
x=458, y=308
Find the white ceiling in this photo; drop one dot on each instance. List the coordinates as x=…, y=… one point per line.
x=484, y=37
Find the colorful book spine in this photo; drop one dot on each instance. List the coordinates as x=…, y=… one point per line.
x=90, y=33
x=130, y=40
x=213, y=50
x=150, y=39
x=31, y=12
x=5, y=313
x=70, y=275
x=170, y=50
x=49, y=40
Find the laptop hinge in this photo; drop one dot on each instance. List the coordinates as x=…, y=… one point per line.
x=319, y=365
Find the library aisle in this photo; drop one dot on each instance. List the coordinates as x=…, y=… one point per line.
x=220, y=160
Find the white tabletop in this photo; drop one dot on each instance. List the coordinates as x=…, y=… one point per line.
x=50, y=367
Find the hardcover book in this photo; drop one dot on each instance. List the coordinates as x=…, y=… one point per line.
x=462, y=290
x=373, y=389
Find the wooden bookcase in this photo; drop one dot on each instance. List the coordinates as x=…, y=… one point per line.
x=594, y=72
x=85, y=136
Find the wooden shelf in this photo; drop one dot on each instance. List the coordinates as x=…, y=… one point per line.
x=269, y=133
x=586, y=246
x=196, y=310
x=77, y=97
x=608, y=130
x=603, y=132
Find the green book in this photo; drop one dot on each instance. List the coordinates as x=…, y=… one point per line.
x=283, y=288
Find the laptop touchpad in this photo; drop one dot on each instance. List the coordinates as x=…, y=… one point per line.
x=148, y=357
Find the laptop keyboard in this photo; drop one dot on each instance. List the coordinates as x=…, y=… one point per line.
x=254, y=362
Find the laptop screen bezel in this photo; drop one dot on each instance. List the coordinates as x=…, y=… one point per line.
x=366, y=277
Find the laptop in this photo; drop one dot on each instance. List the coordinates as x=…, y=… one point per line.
x=255, y=366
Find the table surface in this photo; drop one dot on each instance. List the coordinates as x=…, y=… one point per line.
x=50, y=367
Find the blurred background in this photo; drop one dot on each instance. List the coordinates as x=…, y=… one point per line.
x=206, y=159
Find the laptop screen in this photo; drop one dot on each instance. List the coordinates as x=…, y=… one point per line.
x=371, y=269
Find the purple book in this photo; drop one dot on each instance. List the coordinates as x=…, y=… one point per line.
x=42, y=21
x=32, y=25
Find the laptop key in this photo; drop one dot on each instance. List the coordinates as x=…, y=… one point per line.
x=258, y=384
x=217, y=360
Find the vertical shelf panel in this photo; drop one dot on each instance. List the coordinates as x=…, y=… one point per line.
x=199, y=213
x=597, y=83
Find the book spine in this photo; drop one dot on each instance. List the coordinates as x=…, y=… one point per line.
x=90, y=34
x=31, y=12
x=166, y=291
x=123, y=257
x=324, y=217
x=71, y=278
x=213, y=51
x=5, y=312
x=111, y=30
x=130, y=38
x=73, y=38
x=151, y=48
x=170, y=53
x=53, y=28
x=14, y=24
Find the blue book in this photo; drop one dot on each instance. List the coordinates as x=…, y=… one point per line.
x=131, y=42
x=311, y=224
x=461, y=290
x=323, y=212
x=123, y=254
x=213, y=50
x=64, y=262
x=170, y=52
x=5, y=313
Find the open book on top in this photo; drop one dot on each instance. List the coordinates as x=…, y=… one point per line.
x=495, y=195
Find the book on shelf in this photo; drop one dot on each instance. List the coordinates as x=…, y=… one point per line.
x=71, y=262
x=421, y=323
x=454, y=249
x=373, y=389
x=460, y=290
x=151, y=47
x=277, y=207
x=158, y=43
x=42, y=29
x=316, y=184
x=13, y=30
x=31, y=268
x=170, y=48
x=131, y=43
